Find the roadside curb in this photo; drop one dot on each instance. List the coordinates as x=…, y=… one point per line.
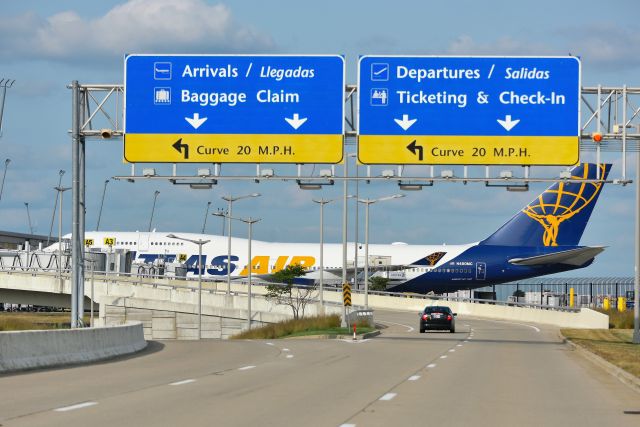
x=628, y=379
x=337, y=337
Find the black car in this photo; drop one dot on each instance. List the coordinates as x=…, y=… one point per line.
x=437, y=317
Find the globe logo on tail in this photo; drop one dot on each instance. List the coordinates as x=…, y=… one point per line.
x=560, y=203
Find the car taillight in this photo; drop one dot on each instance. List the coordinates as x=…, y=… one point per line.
x=449, y=317
x=425, y=317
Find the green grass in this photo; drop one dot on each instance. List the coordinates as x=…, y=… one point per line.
x=613, y=345
x=619, y=320
x=319, y=325
x=26, y=321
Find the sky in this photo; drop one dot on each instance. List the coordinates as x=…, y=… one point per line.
x=46, y=45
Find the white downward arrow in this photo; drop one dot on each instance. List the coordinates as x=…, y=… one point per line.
x=196, y=121
x=507, y=123
x=405, y=123
x=296, y=121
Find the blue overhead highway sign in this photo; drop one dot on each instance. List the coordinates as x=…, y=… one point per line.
x=468, y=110
x=234, y=108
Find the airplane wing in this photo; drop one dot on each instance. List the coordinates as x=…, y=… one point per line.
x=571, y=257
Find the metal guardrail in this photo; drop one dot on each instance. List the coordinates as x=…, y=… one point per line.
x=136, y=279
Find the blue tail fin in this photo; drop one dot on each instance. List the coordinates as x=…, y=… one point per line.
x=556, y=217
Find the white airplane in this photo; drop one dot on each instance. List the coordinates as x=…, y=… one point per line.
x=540, y=239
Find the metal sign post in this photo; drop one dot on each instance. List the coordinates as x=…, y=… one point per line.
x=469, y=110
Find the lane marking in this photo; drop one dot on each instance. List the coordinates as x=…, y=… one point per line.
x=459, y=345
x=74, y=407
x=444, y=356
x=269, y=343
x=409, y=328
x=512, y=323
x=285, y=349
x=347, y=425
x=453, y=350
x=431, y=365
x=289, y=356
x=466, y=326
x=245, y=368
x=183, y=382
x=388, y=396
x=414, y=378
x=356, y=341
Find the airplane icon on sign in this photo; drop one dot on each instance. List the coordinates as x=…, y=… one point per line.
x=162, y=70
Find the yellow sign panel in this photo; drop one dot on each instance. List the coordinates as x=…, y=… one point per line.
x=468, y=150
x=109, y=241
x=213, y=148
x=182, y=257
x=88, y=242
x=346, y=294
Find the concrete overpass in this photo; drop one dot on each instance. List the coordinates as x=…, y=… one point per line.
x=168, y=307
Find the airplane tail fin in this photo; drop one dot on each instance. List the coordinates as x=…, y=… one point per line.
x=558, y=216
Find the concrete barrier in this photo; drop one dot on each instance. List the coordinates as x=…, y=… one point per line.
x=21, y=350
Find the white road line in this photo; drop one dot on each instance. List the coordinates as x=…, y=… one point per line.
x=351, y=341
x=453, y=350
x=414, y=378
x=431, y=365
x=183, y=382
x=443, y=357
x=409, y=328
x=459, y=345
x=388, y=396
x=74, y=407
x=285, y=349
x=466, y=326
x=512, y=323
x=347, y=425
x=269, y=343
x=289, y=356
x=245, y=368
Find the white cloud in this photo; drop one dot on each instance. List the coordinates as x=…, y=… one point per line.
x=466, y=45
x=147, y=26
x=606, y=46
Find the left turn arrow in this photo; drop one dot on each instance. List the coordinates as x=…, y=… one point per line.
x=179, y=146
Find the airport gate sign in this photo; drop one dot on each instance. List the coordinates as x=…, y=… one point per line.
x=234, y=108
x=468, y=110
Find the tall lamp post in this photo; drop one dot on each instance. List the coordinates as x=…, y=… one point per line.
x=104, y=191
x=230, y=200
x=26, y=204
x=250, y=221
x=155, y=197
x=55, y=205
x=368, y=202
x=198, y=242
x=6, y=165
x=322, y=202
x=206, y=214
x=61, y=191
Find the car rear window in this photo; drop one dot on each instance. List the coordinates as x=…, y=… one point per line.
x=437, y=309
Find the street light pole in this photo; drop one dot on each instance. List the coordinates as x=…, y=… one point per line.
x=155, y=196
x=198, y=242
x=104, y=191
x=55, y=206
x=204, y=224
x=322, y=202
x=230, y=200
x=6, y=165
x=29, y=217
x=368, y=202
x=61, y=191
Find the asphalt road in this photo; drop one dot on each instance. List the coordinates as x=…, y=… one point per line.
x=487, y=373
